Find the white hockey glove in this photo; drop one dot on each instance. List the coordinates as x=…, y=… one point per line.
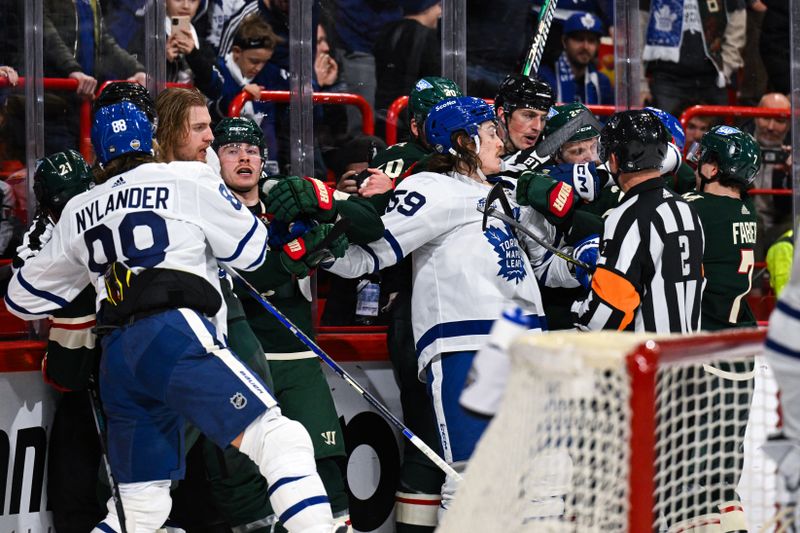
x=523, y=160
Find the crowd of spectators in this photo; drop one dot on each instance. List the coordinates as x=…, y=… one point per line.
x=379, y=48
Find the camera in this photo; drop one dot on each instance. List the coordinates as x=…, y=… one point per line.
x=774, y=156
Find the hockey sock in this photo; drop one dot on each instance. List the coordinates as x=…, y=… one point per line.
x=146, y=507
x=416, y=513
x=284, y=454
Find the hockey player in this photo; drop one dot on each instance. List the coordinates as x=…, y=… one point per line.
x=418, y=495
x=397, y=160
x=228, y=478
x=783, y=355
x=649, y=276
x=148, y=237
x=521, y=97
x=522, y=104
x=434, y=215
x=727, y=162
x=72, y=357
x=575, y=163
x=300, y=385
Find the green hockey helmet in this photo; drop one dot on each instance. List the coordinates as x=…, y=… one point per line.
x=561, y=114
x=59, y=177
x=428, y=92
x=239, y=130
x=737, y=153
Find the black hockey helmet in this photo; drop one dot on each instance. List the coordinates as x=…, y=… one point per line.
x=521, y=91
x=637, y=137
x=127, y=91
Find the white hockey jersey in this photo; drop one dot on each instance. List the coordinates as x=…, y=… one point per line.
x=177, y=216
x=463, y=277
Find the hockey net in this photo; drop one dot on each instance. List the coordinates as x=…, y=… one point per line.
x=612, y=431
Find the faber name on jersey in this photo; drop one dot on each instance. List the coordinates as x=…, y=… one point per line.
x=744, y=232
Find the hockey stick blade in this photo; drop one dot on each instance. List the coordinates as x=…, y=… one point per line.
x=536, y=50
x=492, y=212
x=342, y=373
x=555, y=140
x=495, y=193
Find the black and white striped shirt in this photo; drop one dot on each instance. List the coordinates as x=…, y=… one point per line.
x=649, y=274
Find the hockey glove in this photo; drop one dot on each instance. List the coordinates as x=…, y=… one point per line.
x=587, y=252
x=35, y=238
x=583, y=177
x=552, y=198
x=294, y=196
x=302, y=255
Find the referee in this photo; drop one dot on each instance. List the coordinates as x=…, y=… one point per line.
x=649, y=275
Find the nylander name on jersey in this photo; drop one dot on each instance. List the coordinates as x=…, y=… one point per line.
x=129, y=198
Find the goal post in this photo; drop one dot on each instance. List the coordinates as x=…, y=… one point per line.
x=612, y=431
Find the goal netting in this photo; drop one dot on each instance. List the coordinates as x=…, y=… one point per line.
x=614, y=431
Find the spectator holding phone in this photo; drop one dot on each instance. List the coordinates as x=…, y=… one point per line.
x=187, y=61
x=774, y=137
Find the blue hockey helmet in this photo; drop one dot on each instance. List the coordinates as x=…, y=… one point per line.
x=119, y=129
x=455, y=114
x=672, y=124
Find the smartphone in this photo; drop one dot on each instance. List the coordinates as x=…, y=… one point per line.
x=361, y=176
x=364, y=174
x=182, y=23
x=774, y=156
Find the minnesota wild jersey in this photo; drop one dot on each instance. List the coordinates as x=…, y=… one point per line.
x=396, y=160
x=730, y=229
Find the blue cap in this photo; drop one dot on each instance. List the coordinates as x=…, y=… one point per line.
x=583, y=21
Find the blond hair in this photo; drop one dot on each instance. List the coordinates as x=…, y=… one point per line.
x=173, y=106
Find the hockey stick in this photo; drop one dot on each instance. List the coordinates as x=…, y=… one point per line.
x=562, y=135
x=100, y=426
x=546, y=13
x=498, y=193
x=492, y=212
x=342, y=373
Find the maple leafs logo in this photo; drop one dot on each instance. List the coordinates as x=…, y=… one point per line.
x=508, y=252
x=665, y=18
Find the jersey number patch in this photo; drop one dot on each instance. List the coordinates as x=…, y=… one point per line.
x=145, y=225
x=746, y=264
x=407, y=203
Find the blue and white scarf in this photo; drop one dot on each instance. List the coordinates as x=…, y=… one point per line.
x=666, y=27
x=566, y=86
x=664, y=31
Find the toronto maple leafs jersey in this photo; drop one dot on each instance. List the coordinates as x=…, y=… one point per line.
x=177, y=216
x=463, y=277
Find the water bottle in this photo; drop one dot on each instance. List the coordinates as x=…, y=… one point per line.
x=486, y=381
x=367, y=302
